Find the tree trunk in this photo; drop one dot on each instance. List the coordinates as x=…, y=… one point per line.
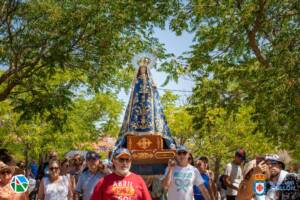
x=217, y=168
x=26, y=159
x=217, y=165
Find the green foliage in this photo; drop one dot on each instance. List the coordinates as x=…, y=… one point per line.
x=87, y=42
x=245, y=53
x=180, y=122
x=169, y=99
x=222, y=134
x=89, y=119
x=178, y=118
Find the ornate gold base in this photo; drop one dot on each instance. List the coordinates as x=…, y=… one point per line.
x=145, y=142
x=152, y=156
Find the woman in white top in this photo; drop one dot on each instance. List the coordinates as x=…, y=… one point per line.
x=55, y=186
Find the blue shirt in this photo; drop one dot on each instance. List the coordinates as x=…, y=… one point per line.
x=34, y=169
x=197, y=192
x=86, y=183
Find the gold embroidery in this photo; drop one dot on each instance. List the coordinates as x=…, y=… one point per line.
x=142, y=155
x=164, y=154
x=144, y=143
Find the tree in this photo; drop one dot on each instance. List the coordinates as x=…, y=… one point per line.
x=86, y=122
x=178, y=118
x=245, y=52
x=222, y=134
x=180, y=122
x=90, y=41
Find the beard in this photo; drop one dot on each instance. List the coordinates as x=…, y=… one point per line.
x=274, y=174
x=93, y=168
x=123, y=171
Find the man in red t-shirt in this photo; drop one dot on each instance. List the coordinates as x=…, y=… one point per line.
x=121, y=184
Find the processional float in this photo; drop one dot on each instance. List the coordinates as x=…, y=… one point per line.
x=144, y=130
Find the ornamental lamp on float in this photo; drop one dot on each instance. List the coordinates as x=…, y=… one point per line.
x=144, y=59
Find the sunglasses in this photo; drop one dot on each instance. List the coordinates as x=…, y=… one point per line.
x=5, y=172
x=182, y=153
x=122, y=160
x=272, y=163
x=54, y=168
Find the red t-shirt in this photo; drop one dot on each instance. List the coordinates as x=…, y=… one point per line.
x=114, y=187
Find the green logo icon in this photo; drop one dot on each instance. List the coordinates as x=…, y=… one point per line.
x=19, y=183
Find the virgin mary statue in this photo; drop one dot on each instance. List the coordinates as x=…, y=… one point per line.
x=144, y=114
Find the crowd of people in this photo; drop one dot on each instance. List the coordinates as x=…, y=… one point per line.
x=185, y=178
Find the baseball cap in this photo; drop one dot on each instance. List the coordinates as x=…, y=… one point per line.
x=276, y=158
x=181, y=148
x=92, y=155
x=241, y=154
x=121, y=152
x=203, y=158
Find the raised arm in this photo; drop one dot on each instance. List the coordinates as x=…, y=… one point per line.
x=41, y=194
x=166, y=182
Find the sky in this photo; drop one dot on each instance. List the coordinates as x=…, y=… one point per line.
x=176, y=45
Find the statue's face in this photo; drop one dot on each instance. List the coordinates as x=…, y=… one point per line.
x=143, y=65
x=142, y=70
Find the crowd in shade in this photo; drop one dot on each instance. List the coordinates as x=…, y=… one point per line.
x=185, y=178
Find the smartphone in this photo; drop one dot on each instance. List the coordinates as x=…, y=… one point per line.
x=172, y=162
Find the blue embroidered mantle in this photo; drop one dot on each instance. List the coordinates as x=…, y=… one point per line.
x=144, y=113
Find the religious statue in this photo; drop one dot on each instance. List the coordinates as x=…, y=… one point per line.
x=144, y=114
x=144, y=130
